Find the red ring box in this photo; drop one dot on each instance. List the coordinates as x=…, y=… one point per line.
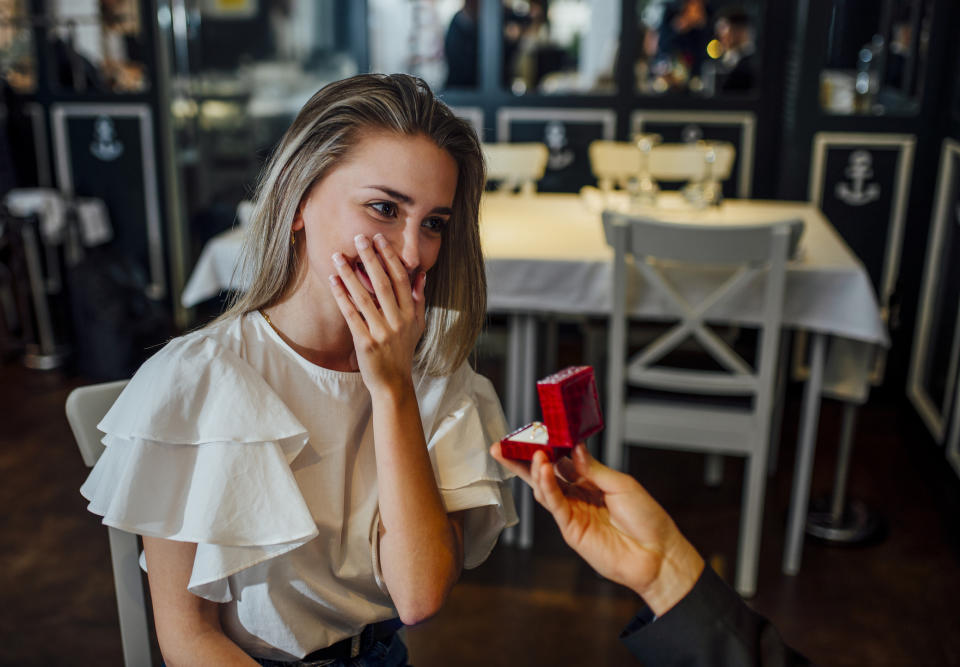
x=571, y=414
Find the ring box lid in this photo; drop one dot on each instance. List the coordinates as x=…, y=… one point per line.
x=570, y=405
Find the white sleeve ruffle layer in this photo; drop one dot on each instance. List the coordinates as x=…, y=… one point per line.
x=198, y=448
x=467, y=419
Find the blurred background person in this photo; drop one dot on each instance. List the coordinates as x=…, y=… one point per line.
x=460, y=47
x=737, y=68
x=684, y=34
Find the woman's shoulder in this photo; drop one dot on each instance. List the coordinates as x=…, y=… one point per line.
x=198, y=388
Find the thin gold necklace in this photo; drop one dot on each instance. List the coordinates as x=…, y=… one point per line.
x=267, y=318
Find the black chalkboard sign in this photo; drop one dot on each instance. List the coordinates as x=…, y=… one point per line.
x=106, y=151
x=861, y=183
x=566, y=133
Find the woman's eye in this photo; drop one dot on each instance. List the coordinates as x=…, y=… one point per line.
x=435, y=224
x=385, y=208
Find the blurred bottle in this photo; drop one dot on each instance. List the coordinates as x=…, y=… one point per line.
x=867, y=82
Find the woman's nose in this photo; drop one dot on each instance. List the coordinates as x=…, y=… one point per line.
x=410, y=246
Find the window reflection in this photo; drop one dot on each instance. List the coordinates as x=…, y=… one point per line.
x=17, y=64
x=435, y=40
x=697, y=46
x=876, y=56
x=240, y=71
x=97, y=45
x=560, y=46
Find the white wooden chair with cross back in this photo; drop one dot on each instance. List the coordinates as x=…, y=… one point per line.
x=681, y=415
x=515, y=166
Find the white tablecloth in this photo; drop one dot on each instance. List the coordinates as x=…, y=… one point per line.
x=547, y=253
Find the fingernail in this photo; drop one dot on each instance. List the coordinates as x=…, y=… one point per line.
x=338, y=259
x=362, y=242
x=381, y=240
x=333, y=279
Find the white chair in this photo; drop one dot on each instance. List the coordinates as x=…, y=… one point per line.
x=516, y=166
x=675, y=419
x=615, y=163
x=85, y=407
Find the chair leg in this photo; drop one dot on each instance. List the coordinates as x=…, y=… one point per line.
x=525, y=540
x=613, y=445
x=131, y=602
x=751, y=521
x=713, y=470
x=779, y=398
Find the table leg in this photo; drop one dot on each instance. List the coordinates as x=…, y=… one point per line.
x=806, y=445
x=514, y=399
x=528, y=413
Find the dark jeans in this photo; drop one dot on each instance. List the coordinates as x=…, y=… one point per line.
x=390, y=652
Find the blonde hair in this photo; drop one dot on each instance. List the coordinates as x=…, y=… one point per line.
x=321, y=136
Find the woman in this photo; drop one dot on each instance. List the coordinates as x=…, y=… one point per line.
x=313, y=464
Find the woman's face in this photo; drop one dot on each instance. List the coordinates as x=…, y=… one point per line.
x=401, y=186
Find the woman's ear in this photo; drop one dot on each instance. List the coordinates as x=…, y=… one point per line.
x=301, y=207
x=298, y=218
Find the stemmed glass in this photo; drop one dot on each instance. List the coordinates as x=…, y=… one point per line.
x=712, y=193
x=705, y=190
x=644, y=189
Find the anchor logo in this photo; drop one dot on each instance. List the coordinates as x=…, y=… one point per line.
x=105, y=144
x=691, y=134
x=859, y=170
x=561, y=155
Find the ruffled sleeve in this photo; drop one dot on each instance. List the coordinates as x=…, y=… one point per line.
x=198, y=449
x=467, y=419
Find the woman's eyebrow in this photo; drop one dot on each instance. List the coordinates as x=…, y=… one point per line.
x=407, y=199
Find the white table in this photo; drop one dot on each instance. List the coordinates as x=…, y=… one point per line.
x=546, y=254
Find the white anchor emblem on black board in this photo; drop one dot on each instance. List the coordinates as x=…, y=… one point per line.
x=561, y=155
x=105, y=144
x=858, y=192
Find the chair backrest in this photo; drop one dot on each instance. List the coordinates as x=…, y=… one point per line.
x=85, y=407
x=516, y=165
x=750, y=251
x=614, y=163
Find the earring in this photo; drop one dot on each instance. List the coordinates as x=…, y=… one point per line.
x=293, y=237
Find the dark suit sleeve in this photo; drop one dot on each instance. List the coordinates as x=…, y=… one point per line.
x=710, y=626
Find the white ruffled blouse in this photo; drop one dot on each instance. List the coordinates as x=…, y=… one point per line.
x=228, y=438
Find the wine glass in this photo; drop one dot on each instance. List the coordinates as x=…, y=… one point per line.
x=644, y=189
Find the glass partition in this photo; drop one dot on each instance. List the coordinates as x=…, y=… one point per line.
x=96, y=45
x=18, y=66
x=560, y=47
x=877, y=52
x=698, y=47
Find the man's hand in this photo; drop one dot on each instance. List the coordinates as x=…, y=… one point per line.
x=614, y=524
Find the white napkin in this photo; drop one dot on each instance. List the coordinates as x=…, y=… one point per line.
x=47, y=204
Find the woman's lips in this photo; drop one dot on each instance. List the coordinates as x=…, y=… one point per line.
x=364, y=278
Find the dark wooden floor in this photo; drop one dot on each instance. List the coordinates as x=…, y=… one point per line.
x=894, y=602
